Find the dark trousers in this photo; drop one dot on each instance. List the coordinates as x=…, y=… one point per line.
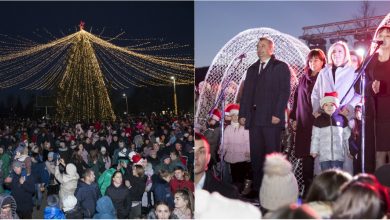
x=240, y=171
x=307, y=172
x=25, y=214
x=263, y=140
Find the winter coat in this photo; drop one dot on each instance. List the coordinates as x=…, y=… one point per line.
x=23, y=193
x=121, y=199
x=138, y=184
x=268, y=91
x=53, y=212
x=344, y=79
x=68, y=181
x=104, y=180
x=3, y=199
x=236, y=144
x=330, y=137
x=74, y=213
x=105, y=209
x=162, y=192
x=87, y=196
x=302, y=113
x=180, y=184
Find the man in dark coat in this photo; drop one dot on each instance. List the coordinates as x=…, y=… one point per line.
x=87, y=193
x=204, y=179
x=262, y=105
x=22, y=189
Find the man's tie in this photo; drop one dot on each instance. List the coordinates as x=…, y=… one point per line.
x=261, y=67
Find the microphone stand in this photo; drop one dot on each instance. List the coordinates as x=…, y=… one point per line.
x=221, y=97
x=362, y=77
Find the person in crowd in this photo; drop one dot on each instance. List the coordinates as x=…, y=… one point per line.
x=262, y=105
x=377, y=147
x=87, y=193
x=5, y=160
x=68, y=180
x=21, y=155
x=356, y=59
x=236, y=151
x=78, y=161
x=96, y=163
x=330, y=134
x=162, y=191
x=113, y=145
x=324, y=191
x=161, y=211
x=53, y=186
x=71, y=210
x=213, y=135
x=165, y=164
x=361, y=201
x=52, y=210
x=7, y=207
x=135, y=175
x=106, y=158
x=105, y=209
x=122, y=151
x=301, y=113
x=175, y=159
x=178, y=182
x=355, y=140
x=183, y=204
x=22, y=187
x=204, y=179
x=279, y=186
x=40, y=173
x=119, y=194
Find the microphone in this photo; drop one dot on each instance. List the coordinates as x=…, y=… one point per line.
x=378, y=42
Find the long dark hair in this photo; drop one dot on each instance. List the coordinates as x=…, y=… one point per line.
x=315, y=53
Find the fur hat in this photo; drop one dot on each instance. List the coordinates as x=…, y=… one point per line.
x=331, y=97
x=69, y=203
x=214, y=205
x=216, y=115
x=279, y=186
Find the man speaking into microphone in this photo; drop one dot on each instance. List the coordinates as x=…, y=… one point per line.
x=262, y=105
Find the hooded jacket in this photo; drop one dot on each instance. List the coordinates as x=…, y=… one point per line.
x=68, y=181
x=53, y=212
x=105, y=209
x=7, y=198
x=87, y=196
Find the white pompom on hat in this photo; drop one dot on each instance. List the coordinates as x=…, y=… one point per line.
x=279, y=186
x=69, y=203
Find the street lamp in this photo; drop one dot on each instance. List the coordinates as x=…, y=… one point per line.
x=127, y=106
x=174, y=93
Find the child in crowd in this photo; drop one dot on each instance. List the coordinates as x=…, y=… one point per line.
x=330, y=134
x=183, y=204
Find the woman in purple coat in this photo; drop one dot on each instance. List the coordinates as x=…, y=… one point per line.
x=301, y=113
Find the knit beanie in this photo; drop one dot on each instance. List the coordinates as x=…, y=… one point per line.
x=69, y=203
x=331, y=97
x=279, y=186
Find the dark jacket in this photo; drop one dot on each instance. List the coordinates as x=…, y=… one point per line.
x=75, y=213
x=87, y=196
x=301, y=112
x=162, y=192
x=121, y=199
x=23, y=193
x=212, y=184
x=105, y=209
x=269, y=91
x=138, y=185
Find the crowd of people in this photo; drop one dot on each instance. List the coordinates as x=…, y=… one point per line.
x=325, y=120
x=135, y=167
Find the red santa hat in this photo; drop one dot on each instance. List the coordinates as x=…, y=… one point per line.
x=234, y=110
x=228, y=108
x=331, y=97
x=216, y=115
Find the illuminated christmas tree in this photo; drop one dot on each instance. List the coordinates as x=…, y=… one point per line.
x=82, y=94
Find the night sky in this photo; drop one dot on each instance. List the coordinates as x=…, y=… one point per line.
x=161, y=21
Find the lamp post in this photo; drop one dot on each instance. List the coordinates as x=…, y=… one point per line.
x=174, y=93
x=127, y=106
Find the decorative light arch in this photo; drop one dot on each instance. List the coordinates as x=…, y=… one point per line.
x=228, y=69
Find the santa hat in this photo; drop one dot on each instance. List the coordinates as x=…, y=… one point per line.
x=228, y=108
x=331, y=97
x=234, y=109
x=216, y=115
x=279, y=186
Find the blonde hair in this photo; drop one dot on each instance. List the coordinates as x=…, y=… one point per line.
x=347, y=58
